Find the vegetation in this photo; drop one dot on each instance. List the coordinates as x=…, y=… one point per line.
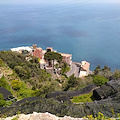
x=16, y=85
x=1, y=63
x=116, y=74
x=23, y=77
x=83, y=98
x=46, y=88
x=2, y=101
x=3, y=82
x=65, y=68
x=105, y=72
x=100, y=116
x=99, y=81
x=52, y=56
x=71, y=82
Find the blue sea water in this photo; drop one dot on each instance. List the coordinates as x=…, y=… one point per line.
x=89, y=32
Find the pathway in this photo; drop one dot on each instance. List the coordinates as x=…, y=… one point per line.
x=74, y=70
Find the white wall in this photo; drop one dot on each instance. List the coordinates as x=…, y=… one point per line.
x=83, y=73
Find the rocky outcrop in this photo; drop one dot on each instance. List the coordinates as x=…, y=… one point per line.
x=41, y=116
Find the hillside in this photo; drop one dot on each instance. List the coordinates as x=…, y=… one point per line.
x=31, y=80
x=38, y=91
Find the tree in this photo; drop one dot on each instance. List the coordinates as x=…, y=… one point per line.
x=65, y=68
x=97, y=69
x=51, y=56
x=16, y=84
x=116, y=74
x=3, y=82
x=99, y=80
x=72, y=81
x=46, y=88
x=1, y=62
x=21, y=72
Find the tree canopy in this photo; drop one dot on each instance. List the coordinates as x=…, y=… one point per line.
x=53, y=56
x=99, y=80
x=16, y=84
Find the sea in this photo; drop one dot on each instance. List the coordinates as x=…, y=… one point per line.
x=90, y=32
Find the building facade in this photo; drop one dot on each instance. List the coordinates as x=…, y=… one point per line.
x=67, y=58
x=84, y=69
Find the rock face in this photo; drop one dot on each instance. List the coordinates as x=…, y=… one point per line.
x=41, y=116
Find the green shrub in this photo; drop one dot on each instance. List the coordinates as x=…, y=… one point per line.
x=99, y=80
x=16, y=84
x=2, y=101
x=116, y=74
x=3, y=82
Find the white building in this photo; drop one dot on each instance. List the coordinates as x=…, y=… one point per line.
x=20, y=49
x=84, y=69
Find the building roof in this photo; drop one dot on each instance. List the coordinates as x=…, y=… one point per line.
x=39, y=48
x=66, y=55
x=18, y=49
x=85, y=65
x=50, y=48
x=5, y=92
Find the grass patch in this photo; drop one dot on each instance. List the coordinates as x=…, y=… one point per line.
x=24, y=91
x=83, y=98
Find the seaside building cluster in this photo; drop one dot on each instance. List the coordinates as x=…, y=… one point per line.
x=39, y=53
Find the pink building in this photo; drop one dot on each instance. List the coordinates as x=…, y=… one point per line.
x=67, y=58
x=37, y=52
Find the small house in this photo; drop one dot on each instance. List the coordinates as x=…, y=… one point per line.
x=84, y=69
